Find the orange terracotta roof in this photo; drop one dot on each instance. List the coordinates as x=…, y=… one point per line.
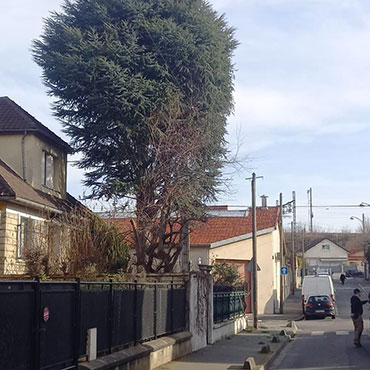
x=216, y=229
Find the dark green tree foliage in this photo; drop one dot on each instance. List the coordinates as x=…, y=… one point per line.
x=113, y=65
x=226, y=274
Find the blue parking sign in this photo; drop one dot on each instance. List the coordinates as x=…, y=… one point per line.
x=284, y=270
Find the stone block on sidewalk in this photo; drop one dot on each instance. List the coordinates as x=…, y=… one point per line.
x=249, y=363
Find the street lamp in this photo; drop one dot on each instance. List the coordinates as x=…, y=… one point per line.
x=364, y=204
x=361, y=220
x=366, y=269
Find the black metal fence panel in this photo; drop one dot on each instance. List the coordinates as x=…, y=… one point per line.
x=228, y=305
x=124, y=318
x=44, y=325
x=57, y=320
x=179, y=307
x=16, y=326
x=94, y=314
x=163, y=316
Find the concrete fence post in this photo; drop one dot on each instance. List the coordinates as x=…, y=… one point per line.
x=200, y=309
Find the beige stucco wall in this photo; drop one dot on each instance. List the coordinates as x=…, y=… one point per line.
x=268, y=277
x=11, y=153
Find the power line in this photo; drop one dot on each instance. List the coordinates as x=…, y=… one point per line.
x=307, y=206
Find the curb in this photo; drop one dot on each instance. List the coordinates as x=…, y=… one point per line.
x=273, y=356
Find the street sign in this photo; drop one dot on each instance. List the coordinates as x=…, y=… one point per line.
x=284, y=270
x=250, y=266
x=46, y=314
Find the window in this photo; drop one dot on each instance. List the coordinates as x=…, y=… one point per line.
x=326, y=248
x=48, y=170
x=25, y=235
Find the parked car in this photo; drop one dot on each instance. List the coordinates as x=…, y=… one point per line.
x=354, y=273
x=316, y=285
x=358, y=274
x=349, y=273
x=320, y=306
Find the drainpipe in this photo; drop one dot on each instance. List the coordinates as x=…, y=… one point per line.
x=23, y=156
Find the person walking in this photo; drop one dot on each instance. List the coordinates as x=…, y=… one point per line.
x=342, y=278
x=356, y=315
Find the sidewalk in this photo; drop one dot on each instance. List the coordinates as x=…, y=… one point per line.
x=231, y=353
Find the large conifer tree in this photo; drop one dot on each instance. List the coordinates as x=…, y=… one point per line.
x=125, y=75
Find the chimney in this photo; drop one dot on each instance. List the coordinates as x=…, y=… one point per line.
x=264, y=201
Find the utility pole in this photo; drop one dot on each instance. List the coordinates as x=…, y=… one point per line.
x=366, y=268
x=293, y=264
x=293, y=244
x=254, y=247
x=363, y=223
x=281, y=234
x=303, y=260
x=309, y=192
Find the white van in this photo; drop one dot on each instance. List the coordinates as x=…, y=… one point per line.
x=315, y=285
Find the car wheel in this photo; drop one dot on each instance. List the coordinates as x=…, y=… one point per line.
x=333, y=317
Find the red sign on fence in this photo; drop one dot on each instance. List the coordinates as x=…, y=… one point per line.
x=46, y=314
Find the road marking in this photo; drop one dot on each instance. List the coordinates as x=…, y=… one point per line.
x=362, y=288
x=343, y=332
x=317, y=333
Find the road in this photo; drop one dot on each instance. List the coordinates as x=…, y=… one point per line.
x=326, y=344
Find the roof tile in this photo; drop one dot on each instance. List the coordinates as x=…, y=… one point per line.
x=216, y=229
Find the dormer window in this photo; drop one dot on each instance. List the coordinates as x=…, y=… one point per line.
x=48, y=170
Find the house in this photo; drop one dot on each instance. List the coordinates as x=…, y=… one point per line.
x=33, y=174
x=325, y=254
x=353, y=244
x=356, y=259
x=227, y=236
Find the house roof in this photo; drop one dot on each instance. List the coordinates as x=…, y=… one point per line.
x=14, y=119
x=14, y=188
x=318, y=241
x=217, y=229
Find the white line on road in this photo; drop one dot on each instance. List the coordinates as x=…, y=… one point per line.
x=362, y=288
x=317, y=333
x=343, y=332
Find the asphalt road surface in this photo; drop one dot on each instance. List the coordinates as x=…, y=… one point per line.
x=326, y=344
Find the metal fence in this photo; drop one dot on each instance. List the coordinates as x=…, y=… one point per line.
x=228, y=305
x=43, y=325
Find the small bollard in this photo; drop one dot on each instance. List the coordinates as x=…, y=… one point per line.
x=293, y=325
x=283, y=333
x=249, y=363
x=265, y=349
x=275, y=339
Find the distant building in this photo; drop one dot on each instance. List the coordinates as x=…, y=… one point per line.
x=326, y=254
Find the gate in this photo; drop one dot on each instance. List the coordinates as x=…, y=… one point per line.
x=28, y=339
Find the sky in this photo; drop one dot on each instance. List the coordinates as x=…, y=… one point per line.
x=302, y=99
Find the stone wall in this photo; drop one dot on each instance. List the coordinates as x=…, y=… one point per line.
x=8, y=236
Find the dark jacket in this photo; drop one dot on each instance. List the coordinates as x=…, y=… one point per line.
x=356, y=306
